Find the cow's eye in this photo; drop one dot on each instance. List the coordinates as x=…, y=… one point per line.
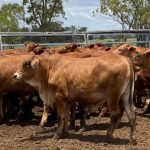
x=27, y=64
x=138, y=55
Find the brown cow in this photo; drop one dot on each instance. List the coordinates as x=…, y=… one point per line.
x=142, y=89
x=142, y=60
x=99, y=46
x=72, y=50
x=30, y=46
x=142, y=84
x=129, y=51
x=4, y=53
x=12, y=52
x=8, y=66
x=63, y=80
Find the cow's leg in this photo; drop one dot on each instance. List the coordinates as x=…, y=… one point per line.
x=66, y=119
x=147, y=105
x=116, y=111
x=121, y=109
x=81, y=108
x=59, y=131
x=72, y=116
x=62, y=120
x=1, y=109
x=63, y=115
x=103, y=110
x=46, y=110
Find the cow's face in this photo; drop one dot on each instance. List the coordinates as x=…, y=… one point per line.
x=122, y=50
x=28, y=70
x=142, y=60
x=129, y=51
x=30, y=46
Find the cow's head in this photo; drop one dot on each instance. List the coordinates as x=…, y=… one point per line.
x=67, y=48
x=28, y=70
x=129, y=51
x=142, y=60
x=30, y=46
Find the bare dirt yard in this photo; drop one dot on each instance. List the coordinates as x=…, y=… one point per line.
x=26, y=135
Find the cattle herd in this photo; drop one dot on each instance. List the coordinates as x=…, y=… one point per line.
x=62, y=78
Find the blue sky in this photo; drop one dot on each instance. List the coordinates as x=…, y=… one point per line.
x=79, y=13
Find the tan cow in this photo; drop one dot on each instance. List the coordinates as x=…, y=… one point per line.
x=63, y=80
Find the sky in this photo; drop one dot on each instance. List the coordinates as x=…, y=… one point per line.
x=79, y=13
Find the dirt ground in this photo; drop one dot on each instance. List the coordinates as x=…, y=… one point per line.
x=26, y=135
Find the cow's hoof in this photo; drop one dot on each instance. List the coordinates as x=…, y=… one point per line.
x=56, y=136
x=65, y=134
x=1, y=121
x=70, y=127
x=109, y=139
x=41, y=125
x=81, y=130
x=132, y=142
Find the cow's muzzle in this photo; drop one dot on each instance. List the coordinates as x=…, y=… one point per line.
x=16, y=76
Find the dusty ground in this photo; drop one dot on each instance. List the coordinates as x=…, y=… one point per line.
x=26, y=135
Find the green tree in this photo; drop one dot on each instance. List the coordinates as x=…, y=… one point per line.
x=53, y=27
x=43, y=13
x=131, y=14
x=82, y=29
x=10, y=15
x=75, y=29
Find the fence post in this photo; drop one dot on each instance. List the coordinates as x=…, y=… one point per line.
x=86, y=38
x=1, y=47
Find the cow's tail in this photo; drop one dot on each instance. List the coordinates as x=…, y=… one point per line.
x=129, y=107
x=132, y=85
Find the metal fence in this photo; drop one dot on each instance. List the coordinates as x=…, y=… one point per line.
x=110, y=38
x=18, y=39
x=117, y=37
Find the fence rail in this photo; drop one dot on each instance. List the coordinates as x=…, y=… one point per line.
x=113, y=37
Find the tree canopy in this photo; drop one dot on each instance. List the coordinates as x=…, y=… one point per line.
x=10, y=15
x=42, y=14
x=131, y=14
x=35, y=15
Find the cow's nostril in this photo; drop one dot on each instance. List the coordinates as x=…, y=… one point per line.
x=15, y=76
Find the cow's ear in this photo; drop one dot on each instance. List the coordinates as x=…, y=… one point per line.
x=70, y=47
x=74, y=46
x=107, y=48
x=35, y=63
x=36, y=45
x=131, y=49
x=39, y=50
x=90, y=46
x=124, y=49
x=147, y=52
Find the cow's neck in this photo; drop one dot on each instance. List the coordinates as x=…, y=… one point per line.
x=51, y=64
